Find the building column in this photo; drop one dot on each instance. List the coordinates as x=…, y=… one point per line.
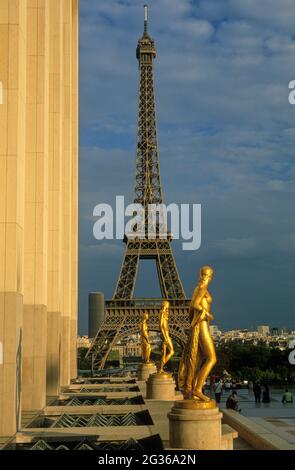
x=66, y=191
x=12, y=153
x=38, y=204
x=74, y=232
x=36, y=194
x=55, y=168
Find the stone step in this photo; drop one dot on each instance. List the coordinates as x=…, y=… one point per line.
x=228, y=435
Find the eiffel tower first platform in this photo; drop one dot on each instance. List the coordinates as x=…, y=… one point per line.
x=123, y=313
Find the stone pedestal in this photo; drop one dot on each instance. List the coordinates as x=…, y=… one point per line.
x=145, y=370
x=160, y=386
x=195, y=425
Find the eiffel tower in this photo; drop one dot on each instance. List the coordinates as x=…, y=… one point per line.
x=123, y=313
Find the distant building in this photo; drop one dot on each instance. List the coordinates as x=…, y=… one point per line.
x=83, y=342
x=263, y=330
x=131, y=349
x=128, y=348
x=214, y=331
x=96, y=312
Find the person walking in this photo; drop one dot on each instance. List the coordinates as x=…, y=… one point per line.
x=266, y=394
x=233, y=386
x=287, y=397
x=227, y=385
x=218, y=390
x=257, y=392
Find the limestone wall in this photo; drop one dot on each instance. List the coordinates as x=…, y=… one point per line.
x=38, y=202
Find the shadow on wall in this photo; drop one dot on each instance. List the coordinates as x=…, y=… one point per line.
x=18, y=380
x=53, y=368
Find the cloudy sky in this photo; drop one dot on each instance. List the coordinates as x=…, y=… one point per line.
x=226, y=141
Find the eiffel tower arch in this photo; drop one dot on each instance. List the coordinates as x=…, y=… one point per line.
x=123, y=313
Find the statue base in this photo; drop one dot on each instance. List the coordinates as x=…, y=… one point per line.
x=195, y=425
x=160, y=386
x=145, y=370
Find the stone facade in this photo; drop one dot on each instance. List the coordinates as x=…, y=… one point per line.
x=38, y=203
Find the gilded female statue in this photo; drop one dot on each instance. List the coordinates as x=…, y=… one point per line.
x=167, y=345
x=145, y=339
x=199, y=355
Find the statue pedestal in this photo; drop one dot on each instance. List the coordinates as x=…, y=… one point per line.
x=195, y=425
x=160, y=386
x=145, y=370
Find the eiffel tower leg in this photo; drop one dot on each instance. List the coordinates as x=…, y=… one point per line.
x=170, y=282
x=103, y=344
x=112, y=343
x=128, y=274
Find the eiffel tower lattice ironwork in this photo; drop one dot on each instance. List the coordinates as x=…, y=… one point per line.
x=123, y=313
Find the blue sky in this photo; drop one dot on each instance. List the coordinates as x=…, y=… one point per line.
x=226, y=140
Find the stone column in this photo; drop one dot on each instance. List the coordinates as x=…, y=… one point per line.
x=36, y=195
x=12, y=155
x=74, y=232
x=66, y=190
x=55, y=168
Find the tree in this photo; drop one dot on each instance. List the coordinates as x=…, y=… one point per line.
x=250, y=362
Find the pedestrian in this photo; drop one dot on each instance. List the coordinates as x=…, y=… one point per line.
x=232, y=403
x=266, y=394
x=228, y=385
x=233, y=385
x=287, y=397
x=218, y=390
x=257, y=392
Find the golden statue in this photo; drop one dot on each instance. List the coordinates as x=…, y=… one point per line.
x=199, y=355
x=145, y=339
x=167, y=345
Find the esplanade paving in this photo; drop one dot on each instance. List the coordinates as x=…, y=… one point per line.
x=264, y=425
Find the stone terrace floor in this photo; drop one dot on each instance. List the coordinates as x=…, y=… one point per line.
x=274, y=416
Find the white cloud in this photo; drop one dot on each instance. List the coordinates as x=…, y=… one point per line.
x=271, y=13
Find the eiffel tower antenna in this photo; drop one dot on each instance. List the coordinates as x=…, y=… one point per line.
x=145, y=18
x=123, y=313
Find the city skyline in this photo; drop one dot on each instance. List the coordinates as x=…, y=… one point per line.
x=225, y=141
